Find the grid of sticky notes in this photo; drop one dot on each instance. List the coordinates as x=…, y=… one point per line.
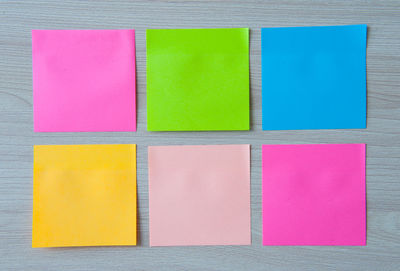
x=198, y=80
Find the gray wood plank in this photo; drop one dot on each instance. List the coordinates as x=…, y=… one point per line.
x=382, y=136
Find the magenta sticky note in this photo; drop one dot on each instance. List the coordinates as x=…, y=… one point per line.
x=83, y=80
x=199, y=195
x=314, y=194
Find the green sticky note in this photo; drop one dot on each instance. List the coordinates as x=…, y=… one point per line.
x=197, y=79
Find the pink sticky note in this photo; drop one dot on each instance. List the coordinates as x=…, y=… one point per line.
x=199, y=195
x=314, y=194
x=83, y=80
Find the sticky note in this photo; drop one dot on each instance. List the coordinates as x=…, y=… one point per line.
x=84, y=195
x=197, y=79
x=83, y=80
x=199, y=195
x=314, y=77
x=314, y=195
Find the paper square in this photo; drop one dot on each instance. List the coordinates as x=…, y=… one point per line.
x=197, y=79
x=84, y=195
x=199, y=195
x=314, y=195
x=83, y=80
x=314, y=77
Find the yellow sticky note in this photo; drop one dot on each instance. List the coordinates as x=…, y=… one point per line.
x=84, y=195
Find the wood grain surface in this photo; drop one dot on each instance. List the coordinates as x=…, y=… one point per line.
x=382, y=136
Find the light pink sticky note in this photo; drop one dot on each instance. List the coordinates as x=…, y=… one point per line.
x=83, y=80
x=314, y=194
x=199, y=195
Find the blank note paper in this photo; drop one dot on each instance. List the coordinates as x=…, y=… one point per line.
x=84, y=195
x=314, y=195
x=199, y=195
x=314, y=77
x=83, y=80
x=197, y=79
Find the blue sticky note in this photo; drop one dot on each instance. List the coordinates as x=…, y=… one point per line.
x=314, y=77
